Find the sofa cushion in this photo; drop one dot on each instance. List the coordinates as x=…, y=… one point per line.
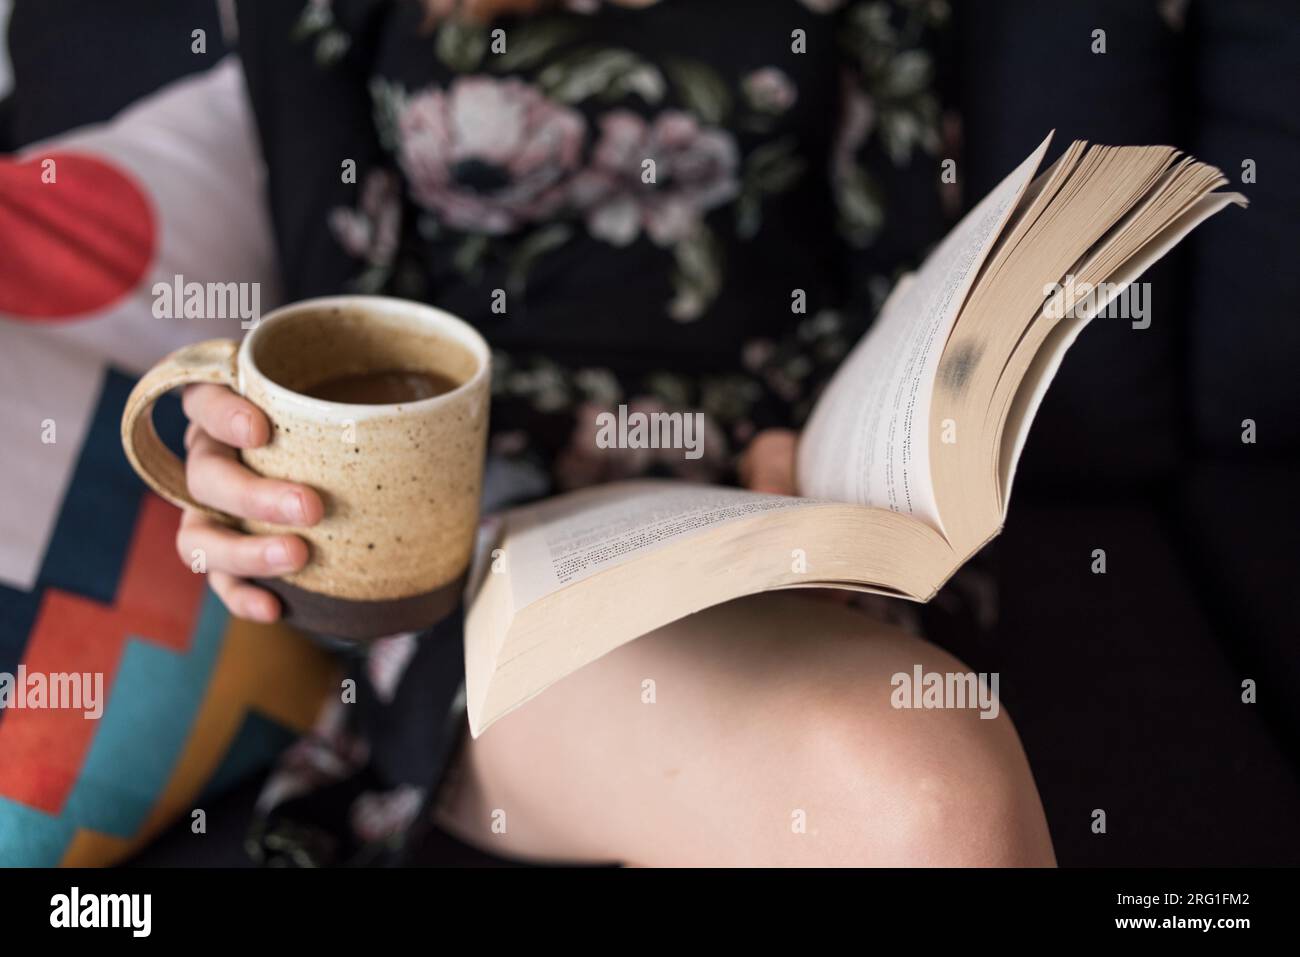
x=186, y=700
x=1127, y=700
x=1237, y=524
x=179, y=701
x=1025, y=68
x=1244, y=279
x=78, y=61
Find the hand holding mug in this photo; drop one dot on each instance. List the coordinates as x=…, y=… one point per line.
x=366, y=491
x=221, y=424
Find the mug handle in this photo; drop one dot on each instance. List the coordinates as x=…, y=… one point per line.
x=210, y=361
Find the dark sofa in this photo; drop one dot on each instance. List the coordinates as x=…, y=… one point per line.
x=1126, y=686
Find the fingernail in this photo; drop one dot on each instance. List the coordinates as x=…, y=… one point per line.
x=277, y=555
x=291, y=507
x=241, y=424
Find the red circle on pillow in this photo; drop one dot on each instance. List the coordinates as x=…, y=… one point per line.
x=76, y=234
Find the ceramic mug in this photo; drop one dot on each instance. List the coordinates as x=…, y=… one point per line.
x=400, y=481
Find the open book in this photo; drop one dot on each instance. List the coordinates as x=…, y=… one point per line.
x=905, y=466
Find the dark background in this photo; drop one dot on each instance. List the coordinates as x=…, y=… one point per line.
x=1126, y=687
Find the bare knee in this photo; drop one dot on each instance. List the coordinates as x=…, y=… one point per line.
x=961, y=795
x=777, y=744
x=920, y=787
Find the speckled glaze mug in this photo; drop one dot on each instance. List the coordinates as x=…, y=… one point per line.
x=400, y=482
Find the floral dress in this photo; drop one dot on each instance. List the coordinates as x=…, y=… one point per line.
x=690, y=205
x=681, y=205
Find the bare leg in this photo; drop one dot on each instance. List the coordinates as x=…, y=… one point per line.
x=771, y=740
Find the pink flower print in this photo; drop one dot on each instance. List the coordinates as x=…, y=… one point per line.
x=371, y=231
x=488, y=155
x=591, y=6
x=380, y=815
x=857, y=118
x=769, y=90
x=822, y=6
x=695, y=171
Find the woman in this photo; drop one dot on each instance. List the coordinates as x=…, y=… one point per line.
x=667, y=204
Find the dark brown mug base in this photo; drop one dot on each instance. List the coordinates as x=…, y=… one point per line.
x=362, y=620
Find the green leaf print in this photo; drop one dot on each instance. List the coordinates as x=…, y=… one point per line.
x=701, y=89
x=461, y=45
x=698, y=275
x=609, y=74
x=535, y=245
x=531, y=42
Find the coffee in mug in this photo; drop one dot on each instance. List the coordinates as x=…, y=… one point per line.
x=379, y=404
x=383, y=388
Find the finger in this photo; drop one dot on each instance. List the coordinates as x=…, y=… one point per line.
x=206, y=546
x=244, y=600
x=225, y=416
x=768, y=463
x=216, y=478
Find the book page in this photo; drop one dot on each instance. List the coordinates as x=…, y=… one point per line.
x=1050, y=354
x=868, y=441
x=564, y=540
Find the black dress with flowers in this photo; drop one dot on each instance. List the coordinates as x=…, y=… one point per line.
x=685, y=204
x=691, y=204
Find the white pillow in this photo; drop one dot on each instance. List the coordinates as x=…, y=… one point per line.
x=172, y=187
